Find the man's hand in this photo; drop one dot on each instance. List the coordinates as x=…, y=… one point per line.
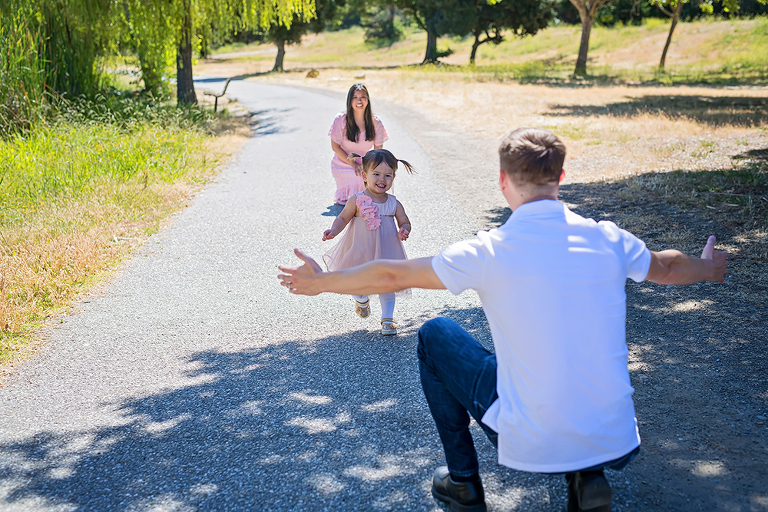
x=403, y=234
x=301, y=280
x=719, y=258
x=674, y=267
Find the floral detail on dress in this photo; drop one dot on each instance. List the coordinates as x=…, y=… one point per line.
x=369, y=212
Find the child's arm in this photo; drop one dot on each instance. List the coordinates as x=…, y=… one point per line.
x=403, y=223
x=340, y=222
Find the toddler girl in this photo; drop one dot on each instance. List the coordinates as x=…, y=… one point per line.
x=372, y=234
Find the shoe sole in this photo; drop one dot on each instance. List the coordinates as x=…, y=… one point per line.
x=455, y=506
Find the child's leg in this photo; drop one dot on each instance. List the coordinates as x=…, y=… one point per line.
x=362, y=306
x=387, y=305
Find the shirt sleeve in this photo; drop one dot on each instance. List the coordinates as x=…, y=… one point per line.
x=336, y=133
x=381, y=132
x=461, y=266
x=638, y=257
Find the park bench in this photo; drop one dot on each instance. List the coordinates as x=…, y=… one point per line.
x=217, y=96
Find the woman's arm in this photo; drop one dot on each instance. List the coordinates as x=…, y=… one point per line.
x=343, y=155
x=340, y=222
x=403, y=223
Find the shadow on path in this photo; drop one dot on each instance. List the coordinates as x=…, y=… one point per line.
x=711, y=110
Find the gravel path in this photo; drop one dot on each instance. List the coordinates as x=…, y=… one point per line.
x=194, y=382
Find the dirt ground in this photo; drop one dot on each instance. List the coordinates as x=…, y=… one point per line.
x=697, y=353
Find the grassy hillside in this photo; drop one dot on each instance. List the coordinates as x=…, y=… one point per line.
x=706, y=50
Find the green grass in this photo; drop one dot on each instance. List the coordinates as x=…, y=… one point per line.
x=707, y=51
x=78, y=193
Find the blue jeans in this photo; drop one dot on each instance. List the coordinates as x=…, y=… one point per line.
x=458, y=376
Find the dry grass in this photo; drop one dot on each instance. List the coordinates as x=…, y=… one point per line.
x=51, y=253
x=609, y=130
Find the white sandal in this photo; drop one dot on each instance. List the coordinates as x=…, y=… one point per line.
x=363, y=309
x=388, y=327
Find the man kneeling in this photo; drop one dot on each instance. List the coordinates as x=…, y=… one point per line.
x=556, y=395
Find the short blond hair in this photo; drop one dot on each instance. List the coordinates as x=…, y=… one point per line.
x=532, y=156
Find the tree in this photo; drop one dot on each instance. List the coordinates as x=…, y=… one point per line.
x=185, y=25
x=522, y=17
x=440, y=18
x=587, y=10
x=673, y=8
x=382, y=27
x=282, y=34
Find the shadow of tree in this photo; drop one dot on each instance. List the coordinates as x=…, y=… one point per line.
x=267, y=122
x=297, y=425
x=711, y=110
x=256, y=432
x=262, y=429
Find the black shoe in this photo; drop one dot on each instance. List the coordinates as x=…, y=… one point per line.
x=588, y=491
x=460, y=496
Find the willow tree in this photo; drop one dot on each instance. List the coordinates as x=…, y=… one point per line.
x=161, y=29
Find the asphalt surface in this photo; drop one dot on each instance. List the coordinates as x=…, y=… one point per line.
x=193, y=381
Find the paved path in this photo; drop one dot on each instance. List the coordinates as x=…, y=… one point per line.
x=194, y=382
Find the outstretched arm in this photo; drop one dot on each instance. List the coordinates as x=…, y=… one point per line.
x=340, y=222
x=674, y=267
x=379, y=276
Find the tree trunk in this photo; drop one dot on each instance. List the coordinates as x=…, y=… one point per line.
x=280, y=56
x=431, y=54
x=185, y=87
x=675, y=17
x=475, y=45
x=586, y=28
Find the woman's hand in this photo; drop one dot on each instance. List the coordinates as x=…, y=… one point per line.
x=403, y=234
x=355, y=161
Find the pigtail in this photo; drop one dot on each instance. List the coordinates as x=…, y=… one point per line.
x=376, y=156
x=408, y=167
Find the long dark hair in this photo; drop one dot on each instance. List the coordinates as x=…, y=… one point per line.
x=352, y=131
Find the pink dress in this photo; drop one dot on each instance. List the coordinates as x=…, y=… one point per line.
x=360, y=245
x=347, y=182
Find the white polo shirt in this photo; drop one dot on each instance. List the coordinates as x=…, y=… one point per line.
x=552, y=287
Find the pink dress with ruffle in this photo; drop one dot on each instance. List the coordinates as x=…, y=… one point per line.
x=359, y=244
x=347, y=182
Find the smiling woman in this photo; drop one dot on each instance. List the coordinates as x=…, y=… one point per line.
x=354, y=132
